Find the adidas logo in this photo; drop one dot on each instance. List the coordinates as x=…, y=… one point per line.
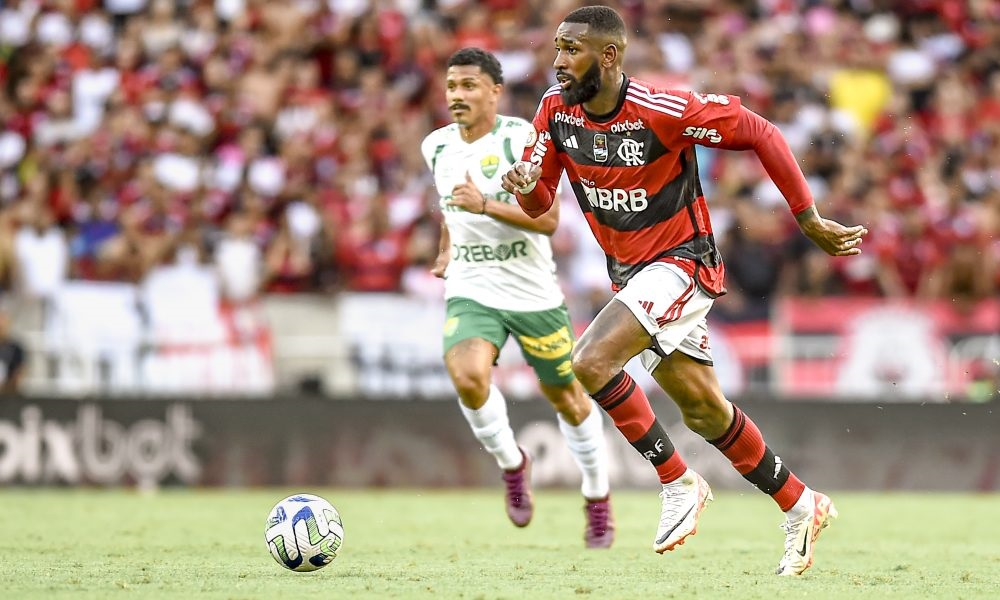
x=646, y=306
x=570, y=142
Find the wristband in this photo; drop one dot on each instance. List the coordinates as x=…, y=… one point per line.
x=527, y=189
x=484, y=206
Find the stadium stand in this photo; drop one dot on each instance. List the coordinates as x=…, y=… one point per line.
x=269, y=146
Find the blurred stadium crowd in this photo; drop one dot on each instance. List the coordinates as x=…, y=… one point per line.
x=278, y=140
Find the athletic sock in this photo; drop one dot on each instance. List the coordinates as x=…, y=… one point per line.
x=744, y=446
x=803, y=506
x=586, y=444
x=491, y=427
x=628, y=407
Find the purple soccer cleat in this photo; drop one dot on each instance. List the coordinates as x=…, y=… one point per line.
x=519, y=505
x=600, y=530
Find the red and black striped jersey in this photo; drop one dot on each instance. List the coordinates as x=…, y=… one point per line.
x=635, y=175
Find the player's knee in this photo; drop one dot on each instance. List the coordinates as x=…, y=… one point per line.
x=473, y=388
x=588, y=366
x=708, y=416
x=572, y=407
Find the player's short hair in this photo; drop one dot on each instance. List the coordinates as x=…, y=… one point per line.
x=478, y=57
x=601, y=19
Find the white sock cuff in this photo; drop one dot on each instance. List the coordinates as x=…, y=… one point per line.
x=493, y=410
x=590, y=429
x=804, y=504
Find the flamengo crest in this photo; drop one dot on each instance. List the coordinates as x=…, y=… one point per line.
x=630, y=151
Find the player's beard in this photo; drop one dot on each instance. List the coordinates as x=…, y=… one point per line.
x=585, y=89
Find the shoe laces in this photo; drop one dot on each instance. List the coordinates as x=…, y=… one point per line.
x=675, y=497
x=515, y=486
x=792, y=528
x=597, y=517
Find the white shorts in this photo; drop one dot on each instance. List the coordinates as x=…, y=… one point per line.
x=672, y=308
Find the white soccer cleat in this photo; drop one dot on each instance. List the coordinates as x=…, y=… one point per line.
x=683, y=501
x=802, y=528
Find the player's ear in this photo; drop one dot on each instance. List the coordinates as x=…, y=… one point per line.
x=610, y=56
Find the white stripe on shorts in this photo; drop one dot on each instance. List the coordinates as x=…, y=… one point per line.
x=672, y=308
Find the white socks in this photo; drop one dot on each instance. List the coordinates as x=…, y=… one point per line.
x=803, y=506
x=491, y=427
x=586, y=443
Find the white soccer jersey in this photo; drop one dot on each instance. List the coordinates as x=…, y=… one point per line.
x=493, y=263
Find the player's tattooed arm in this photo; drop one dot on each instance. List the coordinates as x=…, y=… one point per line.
x=832, y=237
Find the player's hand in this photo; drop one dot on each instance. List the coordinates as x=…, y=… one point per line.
x=440, y=265
x=832, y=237
x=522, y=175
x=468, y=197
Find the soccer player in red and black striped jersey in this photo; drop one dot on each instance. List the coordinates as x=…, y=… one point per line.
x=628, y=150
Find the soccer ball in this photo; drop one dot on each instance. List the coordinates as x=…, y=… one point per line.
x=304, y=532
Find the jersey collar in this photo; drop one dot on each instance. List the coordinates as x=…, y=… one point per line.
x=496, y=128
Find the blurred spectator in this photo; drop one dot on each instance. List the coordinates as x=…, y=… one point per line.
x=417, y=280
x=756, y=252
x=128, y=255
x=239, y=260
x=909, y=255
x=12, y=358
x=965, y=229
x=372, y=254
x=160, y=31
x=280, y=135
x=289, y=264
x=41, y=254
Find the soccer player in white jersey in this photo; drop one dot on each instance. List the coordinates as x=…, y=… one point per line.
x=500, y=281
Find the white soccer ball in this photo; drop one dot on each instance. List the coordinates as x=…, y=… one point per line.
x=304, y=532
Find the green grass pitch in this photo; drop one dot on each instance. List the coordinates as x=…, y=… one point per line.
x=458, y=544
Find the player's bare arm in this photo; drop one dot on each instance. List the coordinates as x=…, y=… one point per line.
x=512, y=214
x=444, y=253
x=832, y=237
x=469, y=197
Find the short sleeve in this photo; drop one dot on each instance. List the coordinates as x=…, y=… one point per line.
x=429, y=149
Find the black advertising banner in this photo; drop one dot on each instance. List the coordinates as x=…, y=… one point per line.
x=319, y=442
